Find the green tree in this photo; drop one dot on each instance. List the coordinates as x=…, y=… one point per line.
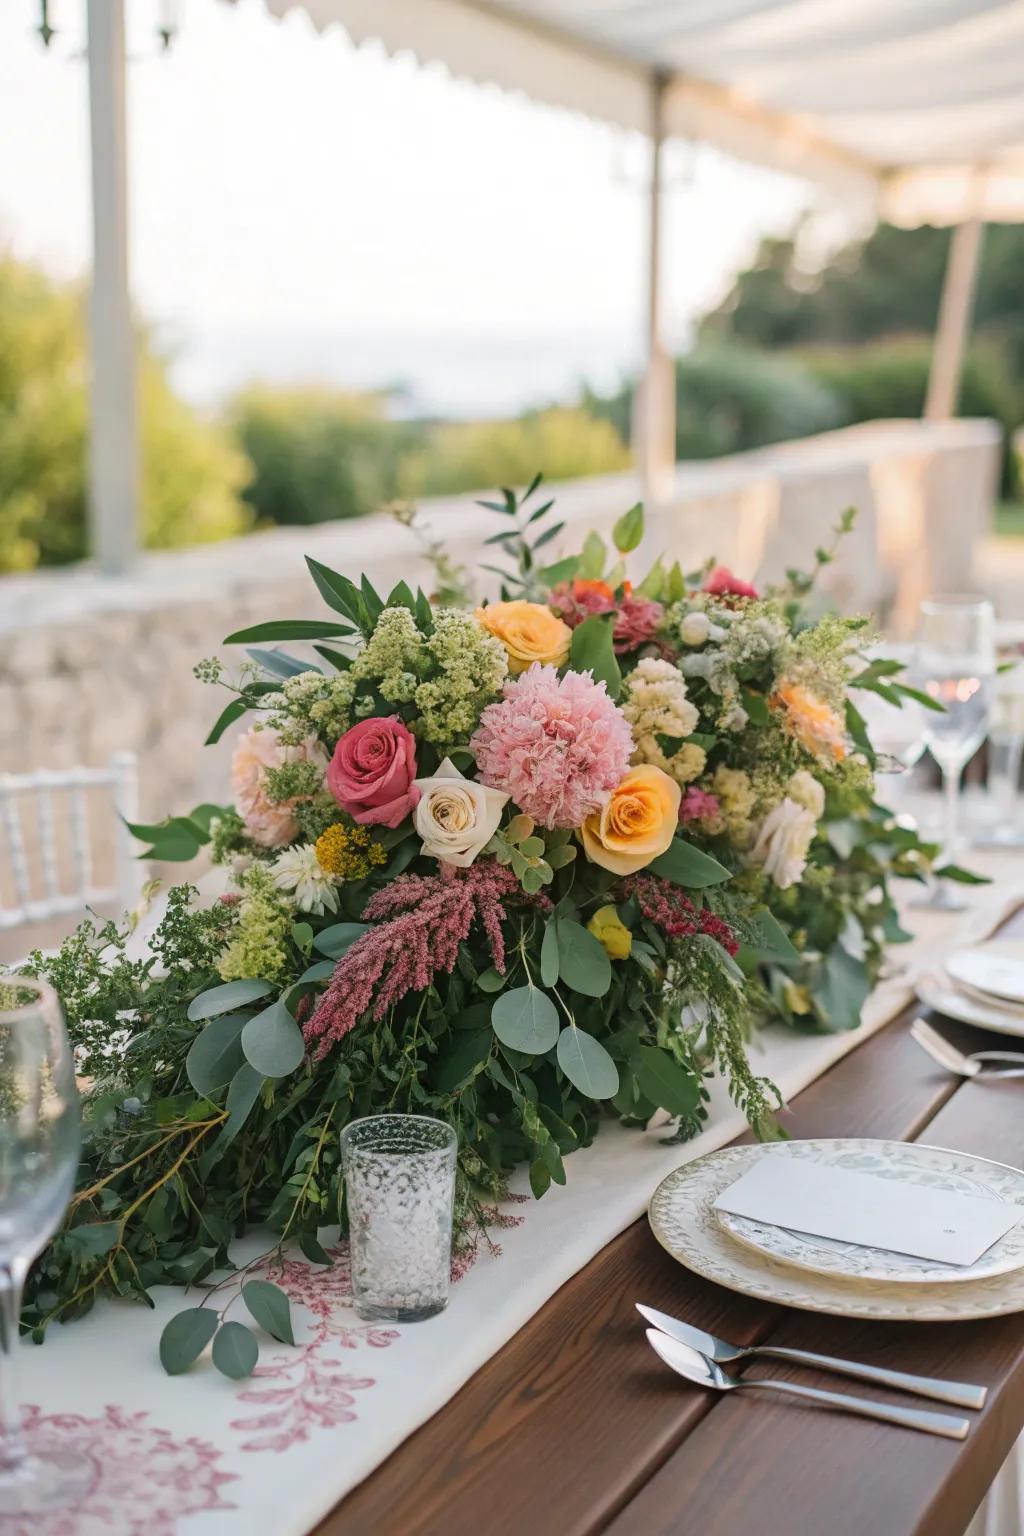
x=190, y=475
x=472, y=455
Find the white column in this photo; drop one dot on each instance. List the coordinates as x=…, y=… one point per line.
x=113, y=433
x=654, y=426
x=954, y=320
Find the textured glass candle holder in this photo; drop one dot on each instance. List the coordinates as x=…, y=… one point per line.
x=400, y=1189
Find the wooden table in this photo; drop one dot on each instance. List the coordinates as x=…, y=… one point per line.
x=574, y=1427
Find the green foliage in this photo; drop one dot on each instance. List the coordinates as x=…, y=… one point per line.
x=466, y=456
x=191, y=473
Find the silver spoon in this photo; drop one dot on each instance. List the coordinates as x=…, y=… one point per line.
x=976, y=1064
x=703, y=1372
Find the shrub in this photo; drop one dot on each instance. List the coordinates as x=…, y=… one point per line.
x=729, y=398
x=472, y=455
x=318, y=453
x=190, y=472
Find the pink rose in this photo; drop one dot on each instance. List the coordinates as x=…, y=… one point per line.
x=372, y=771
x=722, y=583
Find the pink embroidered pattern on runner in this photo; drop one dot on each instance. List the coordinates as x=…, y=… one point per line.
x=143, y=1479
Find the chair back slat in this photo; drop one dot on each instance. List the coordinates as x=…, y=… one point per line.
x=38, y=878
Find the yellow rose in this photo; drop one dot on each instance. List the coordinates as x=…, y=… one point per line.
x=612, y=935
x=636, y=823
x=529, y=632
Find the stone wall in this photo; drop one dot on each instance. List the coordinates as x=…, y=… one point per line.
x=90, y=666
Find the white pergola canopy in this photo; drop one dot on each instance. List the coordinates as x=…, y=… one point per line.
x=908, y=110
x=914, y=106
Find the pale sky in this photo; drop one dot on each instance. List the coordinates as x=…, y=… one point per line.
x=288, y=190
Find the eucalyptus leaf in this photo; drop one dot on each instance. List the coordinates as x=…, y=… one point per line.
x=269, y=1307
x=549, y=955
x=526, y=1020
x=185, y=1337
x=235, y=1351
x=583, y=963
x=842, y=990
x=230, y=994
x=688, y=866
x=334, y=941
x=279, y=663
x=216, y=1053
x=587, y=1064
x=272, y=1042
x=662, y=1080
x=243, y=1091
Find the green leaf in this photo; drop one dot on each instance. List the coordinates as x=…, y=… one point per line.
x=540, y=1178
x=94, y=1238
x=629, y=529
x=216, y=1053
x=228, y=715
x=858, y=729
x=526, y=1020
x=334, y=941
x=843, y=835
x=374, y=603
x=185, y=1337
x=770, y=940
x=558, y=571
x=338, y=660
x=339, y=593
x=961, y=876
x=230, y=994
x=688, y=866
x=591, y=651
x=756, y=706
x=587, y=1064
x=319, y=971
x=491, y=980
x=904, y=690
x=549, y=956
x=470, y=1052
x=842, y=990
x=289, y=629
x=269, y=1307
x=665, y=1082
x=313, y=1250
x=593, y=557
x=243, y=1092
x=279, y=663
x=302, y=936
x=582, y=961
x=235, y=1351
x=273, y=1042
x=401, y=596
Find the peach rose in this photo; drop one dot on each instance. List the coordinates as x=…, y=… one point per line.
x=529, y=632
x=812, y=721
x=270, y=823
x=636, y=823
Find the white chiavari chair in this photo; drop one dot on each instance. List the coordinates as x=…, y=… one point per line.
x=46, y=841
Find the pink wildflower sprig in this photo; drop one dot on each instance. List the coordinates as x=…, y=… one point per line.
x=698, y=805
x=422, y=920
x=671, y=910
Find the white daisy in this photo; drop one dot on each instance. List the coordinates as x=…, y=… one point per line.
x=299, y=872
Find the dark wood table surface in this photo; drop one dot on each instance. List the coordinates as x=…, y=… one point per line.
x=574, y=1427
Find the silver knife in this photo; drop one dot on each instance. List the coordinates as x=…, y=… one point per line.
x=964, y=1394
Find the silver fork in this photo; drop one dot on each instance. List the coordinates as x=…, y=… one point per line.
x=695, y=1367
x=977, y=1064
x=720, y=1352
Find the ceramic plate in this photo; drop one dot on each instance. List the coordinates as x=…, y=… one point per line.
x=926, y=1167
x=995, y=968
x=683, y=1221
x=938, y=992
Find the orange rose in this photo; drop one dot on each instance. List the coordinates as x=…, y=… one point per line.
x=636, y=823
x=529, y=632
x=814, y=723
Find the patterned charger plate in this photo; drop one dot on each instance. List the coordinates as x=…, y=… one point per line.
x=907, y=1163
x=683, y=1220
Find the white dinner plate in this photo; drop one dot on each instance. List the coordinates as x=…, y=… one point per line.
x=907, y=1163
x=683, y=1221
x=937, y=991
x=995, y=968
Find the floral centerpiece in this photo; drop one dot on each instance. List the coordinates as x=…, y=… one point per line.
x=518, y=865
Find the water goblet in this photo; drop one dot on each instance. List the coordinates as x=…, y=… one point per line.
x=400, y=1190
x=39, y=1143
x=955, y=664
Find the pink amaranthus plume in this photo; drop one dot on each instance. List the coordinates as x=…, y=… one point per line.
x=426, y=917
x=671, y=910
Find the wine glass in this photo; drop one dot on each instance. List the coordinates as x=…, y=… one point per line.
x=1005, y=755
x=39, y=1141
x=955, y=664
x=896, y=732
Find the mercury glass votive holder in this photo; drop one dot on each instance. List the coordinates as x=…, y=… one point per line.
x=400, y=1189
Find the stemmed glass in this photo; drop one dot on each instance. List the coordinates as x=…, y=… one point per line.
x=955, y=663
x=896, y=732
x=1005, y=755
x=39, y=1141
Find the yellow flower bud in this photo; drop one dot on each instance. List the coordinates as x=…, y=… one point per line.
x=613, y=936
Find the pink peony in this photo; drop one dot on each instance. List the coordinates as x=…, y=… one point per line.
x=270, y=824
x=698, y=805
x=557, y=746
x=637, y=622
x=722, y=583
x=372, y=772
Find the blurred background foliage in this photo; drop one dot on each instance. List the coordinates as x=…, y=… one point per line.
x=793, y=349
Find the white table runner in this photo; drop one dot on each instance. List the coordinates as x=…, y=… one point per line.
x=198, y=1455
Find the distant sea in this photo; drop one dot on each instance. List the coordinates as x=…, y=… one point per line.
x=430, y=374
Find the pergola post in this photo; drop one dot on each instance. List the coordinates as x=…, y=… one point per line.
x=654, y=422
x=113, y=432
x=954, y=320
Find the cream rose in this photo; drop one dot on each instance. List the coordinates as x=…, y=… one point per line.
x=806, y=791
x=456, y=816
x=784, y=841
